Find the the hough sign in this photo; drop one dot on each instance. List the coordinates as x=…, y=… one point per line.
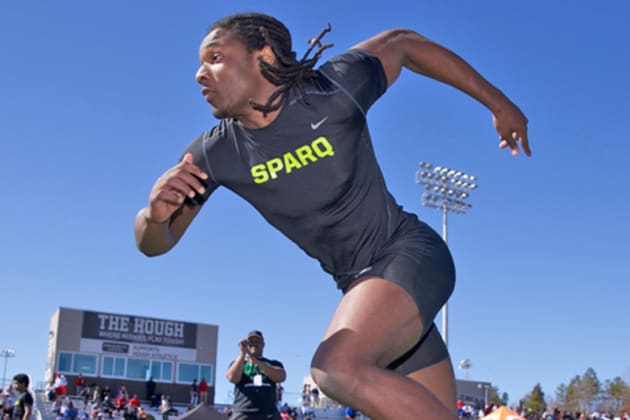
x=135, y=329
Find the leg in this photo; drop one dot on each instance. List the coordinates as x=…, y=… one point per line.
x=375, y=324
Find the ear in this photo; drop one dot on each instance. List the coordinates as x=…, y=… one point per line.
x=267, y=55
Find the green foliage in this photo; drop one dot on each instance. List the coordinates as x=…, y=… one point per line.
x=587, y=394
x=616, y=393
x=493, y=396
x=535, y=400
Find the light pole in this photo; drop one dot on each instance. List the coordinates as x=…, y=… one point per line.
x=465, y=364
x=6, y=353
x=446, y=190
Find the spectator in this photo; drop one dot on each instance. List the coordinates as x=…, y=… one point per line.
x=255, y=378
x=67, y=411
x=6, y=411
x=165, y=407
x=150, y=387
x=203, y=391
x=315, y=397
x=61, y=384
x=121, y=403
x=194, y=395
x=80, y=384
x=349, y=413
x=50, y=391
x=23, y=405
x=134, y=401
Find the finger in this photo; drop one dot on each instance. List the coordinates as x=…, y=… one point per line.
x=525, y=143
x=171, y=197
x=193, y=182
x=187, y=163
x=181, y=184
x=508, y=142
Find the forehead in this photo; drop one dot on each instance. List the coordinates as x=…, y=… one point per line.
x=218, y=37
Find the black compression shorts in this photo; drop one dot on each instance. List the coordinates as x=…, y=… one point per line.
x=418, y=260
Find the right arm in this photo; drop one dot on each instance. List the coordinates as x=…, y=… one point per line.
x=235, y=371
x=160, y=225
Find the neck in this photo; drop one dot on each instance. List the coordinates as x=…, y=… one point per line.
x=256, y=120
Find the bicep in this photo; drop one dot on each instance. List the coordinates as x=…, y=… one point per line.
x=388, y=47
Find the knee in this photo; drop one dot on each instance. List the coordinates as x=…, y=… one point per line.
x=335, y=373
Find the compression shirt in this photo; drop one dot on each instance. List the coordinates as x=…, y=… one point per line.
x=312, y=172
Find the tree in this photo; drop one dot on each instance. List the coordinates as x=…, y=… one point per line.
x=561, y=394
x=617, y=392
x=590, y=388
x=535, y=400
x=493, y=396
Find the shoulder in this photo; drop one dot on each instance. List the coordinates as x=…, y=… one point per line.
x=27, y=398
x=351, y=61
x=211, y=137
x=272, y=362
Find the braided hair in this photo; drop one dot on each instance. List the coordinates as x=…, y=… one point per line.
x=256, y=30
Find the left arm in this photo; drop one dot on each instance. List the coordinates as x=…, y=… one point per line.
x=275, y=373
x=398, y=48
x=28, y=409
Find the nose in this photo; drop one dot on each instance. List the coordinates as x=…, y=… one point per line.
x=202, y=73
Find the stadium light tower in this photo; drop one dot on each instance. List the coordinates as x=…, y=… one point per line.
x=6, y=353
x=446, y=190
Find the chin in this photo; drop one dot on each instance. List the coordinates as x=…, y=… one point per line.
x=220, y=113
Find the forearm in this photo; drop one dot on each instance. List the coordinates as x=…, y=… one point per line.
x=425, y=57
x=152, y=238
x=235, y=371
x=155, y=238
x=275, y=373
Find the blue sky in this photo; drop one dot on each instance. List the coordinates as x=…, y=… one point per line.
x=99, y=98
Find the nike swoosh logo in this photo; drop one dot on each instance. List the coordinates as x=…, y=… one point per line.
x=315, y=126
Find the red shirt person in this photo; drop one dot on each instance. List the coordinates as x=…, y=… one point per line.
x=203, y=391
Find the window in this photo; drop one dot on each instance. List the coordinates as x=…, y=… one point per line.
x=114, y=366
x=137, y=369
x=84, y=363
x=206, y=373
x=186, y=372
x=77, y=363
x=65, y=362
x=162, y=371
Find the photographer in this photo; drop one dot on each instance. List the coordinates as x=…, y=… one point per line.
x=255, y=378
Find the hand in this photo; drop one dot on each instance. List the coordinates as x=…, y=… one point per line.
x=243, y=346
x=172, y=188
x=511, y=124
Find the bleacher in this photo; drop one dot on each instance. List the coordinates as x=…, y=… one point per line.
x=44, y=408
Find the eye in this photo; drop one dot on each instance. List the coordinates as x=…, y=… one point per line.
x=215, y=57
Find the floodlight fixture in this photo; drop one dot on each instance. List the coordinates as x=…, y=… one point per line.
x=446, y=189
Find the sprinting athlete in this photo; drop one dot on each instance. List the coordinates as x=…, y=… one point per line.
x=293, y=141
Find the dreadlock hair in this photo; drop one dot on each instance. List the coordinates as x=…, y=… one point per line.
x=256, y=30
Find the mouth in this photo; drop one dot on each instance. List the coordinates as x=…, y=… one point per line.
x=207, y=93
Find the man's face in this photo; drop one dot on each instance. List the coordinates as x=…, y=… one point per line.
x=255, y=346
x=18, y=386
x=228, y=73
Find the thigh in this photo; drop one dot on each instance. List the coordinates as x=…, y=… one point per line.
x=375, y=323
x=439, y=378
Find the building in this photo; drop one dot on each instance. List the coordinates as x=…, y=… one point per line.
x=476, y=393
x=113, y=350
